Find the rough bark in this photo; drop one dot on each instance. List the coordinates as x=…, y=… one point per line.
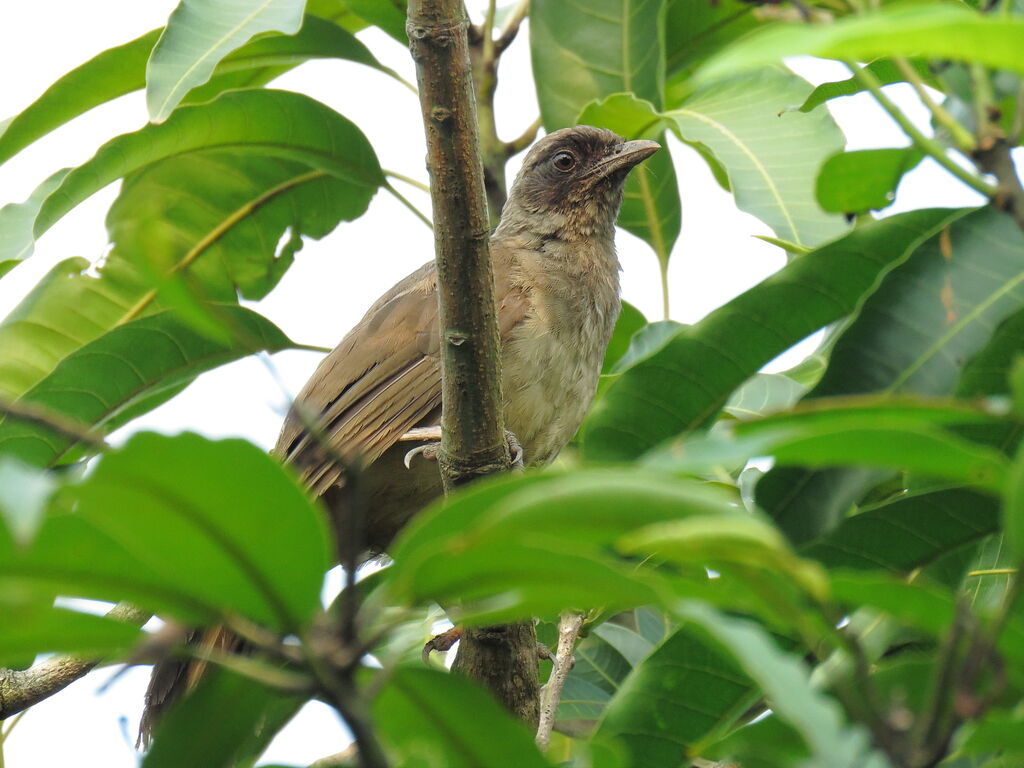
x=473, y=442
x=21, y=688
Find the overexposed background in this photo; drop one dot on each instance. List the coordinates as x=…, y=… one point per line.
x=334, y=280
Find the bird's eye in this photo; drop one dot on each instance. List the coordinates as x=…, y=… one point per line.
x=564, y=161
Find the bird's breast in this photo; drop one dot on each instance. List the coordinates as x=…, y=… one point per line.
x=552, y=361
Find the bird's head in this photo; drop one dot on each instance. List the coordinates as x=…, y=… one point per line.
x=572, y=181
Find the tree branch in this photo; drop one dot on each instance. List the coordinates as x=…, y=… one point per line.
x=21, y=688
x=472, y=440
x=568, y=630
x=55, y=420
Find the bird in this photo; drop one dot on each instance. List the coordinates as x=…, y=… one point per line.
x=556, y=279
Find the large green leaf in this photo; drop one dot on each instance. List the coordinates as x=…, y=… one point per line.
x=130, y=364
x=202, y=529
x=771, y=155
x=199, y=33
x=17, y=220
x=694, y=31
x=933, y=30
x=618, y=49
x=272, y=123
x=885, y=70
x=910, y=532
x=226, y=719
x=683, y=694
x=31, y=628
x=684, y=383
x=420, y=707
x=122, y=69
x=535, y=544
x=230, y=211
x=389, y=15
x=913, y=335
x=1013, y=508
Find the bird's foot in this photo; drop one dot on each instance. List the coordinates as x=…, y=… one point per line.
x=442, y=642
x=429, y=451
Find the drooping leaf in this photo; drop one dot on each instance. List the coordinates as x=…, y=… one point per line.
x=421, y=717
x=686, y=691
x=787, y=687
x=122, y=69
x=32, y=628
x=130, y=364
x=951, y=293
x=771, y=155
x=16, y=221
x=273, y=123
x=686, y=382
x=199, y=33
x=195, y=527
x=855, y=182
x=936, y=31
x=885, y=70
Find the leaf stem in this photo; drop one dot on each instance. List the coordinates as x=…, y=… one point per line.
x=927, y=145
x=408, y=180
x=404, y=201
x=963, y=138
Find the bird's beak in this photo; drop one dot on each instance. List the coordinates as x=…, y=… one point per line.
x=625, y=155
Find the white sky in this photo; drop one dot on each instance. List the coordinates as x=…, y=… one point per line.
x=336, y=279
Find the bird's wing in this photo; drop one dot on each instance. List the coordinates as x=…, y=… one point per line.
x=383, y=379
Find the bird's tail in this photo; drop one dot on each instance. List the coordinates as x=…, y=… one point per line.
x=173, y=677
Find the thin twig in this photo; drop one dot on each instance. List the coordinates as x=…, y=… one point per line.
x=55, y=420
x=21, y=688
x=408, y=180
x=404, y=201
x=568, y=630
x=523, y=140
x=512, y=25
x=929, y=146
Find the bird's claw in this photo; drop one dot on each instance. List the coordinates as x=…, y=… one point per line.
x=442, y=642
x=515, y=449
x=428, y=452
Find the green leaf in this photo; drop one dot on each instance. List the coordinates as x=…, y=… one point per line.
x=771, y=155
x=389, y=15
x=223, y=719
x=763, y=394
x=535, y=544
x=950, y=294
x=787, y=686
x=686, y=691
x=911, y=532
x=725, y=540
x=231, y=209
x=650, y=204
x=1013, y=507
x=694, y=31
x=619, y=49
x=421, y=717
x=199, y=33
x=131, y=364
x=686, y=382
x=122, y=69
x=31, y=628
x=273, y=123
x=195, y=527
x=629, y=322
x=935, y=31
x=17, y=220
x=24, y=495
x=884, y=70
x=855, y=182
